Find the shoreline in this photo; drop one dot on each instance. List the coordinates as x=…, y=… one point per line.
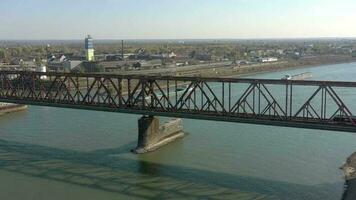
x=245, y=70
x=11, y=108
x=349, y=170
x=289, y=68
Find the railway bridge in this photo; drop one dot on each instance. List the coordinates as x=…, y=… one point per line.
x=326, y=105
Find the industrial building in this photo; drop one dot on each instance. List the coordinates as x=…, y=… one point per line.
x=268, y=60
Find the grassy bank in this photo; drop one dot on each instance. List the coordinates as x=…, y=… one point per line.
x=280, y=66
x=243, y=70
x=350, y=177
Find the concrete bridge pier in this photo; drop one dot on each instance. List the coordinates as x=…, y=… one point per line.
x=152, y=135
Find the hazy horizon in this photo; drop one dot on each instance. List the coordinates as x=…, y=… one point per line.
x=177, y=20
x=183, y=39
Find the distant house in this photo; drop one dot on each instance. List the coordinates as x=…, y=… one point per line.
x=280, y=51
x=71, y=65
x=129, y=55
x=132, y=57
x=55, y=65
x=147, y=64
x=353, y=53
x=143, y=56
x=152, y=63
x=242, y=62
x=172, y=55
x=268, y=60
x=344, y=50
x=51, y=58
x=202, y=56
x=140, y=54
x=112, y=57
x=15, y=61
x=140, y=51
x=260, y=52
x=89, y=66
x=62, y=58
x=157, y=56
x=179, y=64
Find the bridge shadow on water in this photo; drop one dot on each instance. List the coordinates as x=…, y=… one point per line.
x=140, y=179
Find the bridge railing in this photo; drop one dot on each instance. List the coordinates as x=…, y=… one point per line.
x=323, y=102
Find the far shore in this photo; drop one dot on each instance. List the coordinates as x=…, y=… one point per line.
x=283, y=66
x=349, y=169
x=292, y=68
x=248, y=70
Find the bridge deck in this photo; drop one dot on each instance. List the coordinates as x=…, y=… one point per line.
x=324, y=105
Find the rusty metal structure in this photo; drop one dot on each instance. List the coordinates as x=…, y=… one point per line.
x=305, y=104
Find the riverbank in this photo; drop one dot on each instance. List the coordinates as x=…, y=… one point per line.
x=349, y=169
x=6, y=108
x=243, y=70
x=300, y=64
x=278, y=66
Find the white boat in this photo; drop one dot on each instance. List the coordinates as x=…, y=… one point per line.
x=301, y=76
x=177, y=91
x=287, y=77
x=182, y=89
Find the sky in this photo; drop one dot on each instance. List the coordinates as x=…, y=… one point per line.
x=176, y=19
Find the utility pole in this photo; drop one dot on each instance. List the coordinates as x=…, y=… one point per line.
x=47, y=55
x=122, y=50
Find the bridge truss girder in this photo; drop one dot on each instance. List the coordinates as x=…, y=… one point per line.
x=260, y=101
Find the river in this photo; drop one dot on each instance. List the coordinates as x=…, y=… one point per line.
x=53, y=153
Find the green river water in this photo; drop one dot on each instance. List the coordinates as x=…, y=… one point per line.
x=53, y=153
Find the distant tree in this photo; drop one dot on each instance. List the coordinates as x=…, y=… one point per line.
x=137, y=65
x=38, y=61
x=2, y=54
x=23, y=65
x=192, y=54
x=99, y=68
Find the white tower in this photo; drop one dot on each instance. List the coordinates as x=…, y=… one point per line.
x=89, y=48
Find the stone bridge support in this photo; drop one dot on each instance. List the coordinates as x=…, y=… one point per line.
x=152, y=135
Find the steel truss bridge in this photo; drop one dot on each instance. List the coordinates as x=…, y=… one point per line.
x=305, y=104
